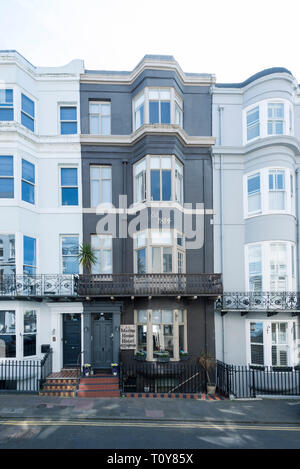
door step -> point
(63, 387)
(99, 385)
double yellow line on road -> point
(173, 425)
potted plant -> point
(140, 355)
(87, 369)
(208, 363)
(183, 355)
(115, 369)
(86, 256)
(162, 356)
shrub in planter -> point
(183, 355)
(140, 355)
(208, 363)
(162, 356)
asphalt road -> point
(21, 434)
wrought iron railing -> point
(150, 284)
(259, 301)
(109, 285)
(154, 377)
(24, 376)
(38, 285)
(251, 381)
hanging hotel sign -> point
(127, 336)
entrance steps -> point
(62, 387)
(99, 385)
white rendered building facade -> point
(40, 204)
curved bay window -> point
(161, 330)
(158, 179)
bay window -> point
(270, 266)
(7, 254)
(157, 106)
(267, 118)
(269, 190)
(158, 179)
(159, 252)
(271, 343)
(102, 248)
(161, 330)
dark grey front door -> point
(102, 344)
(71, 339)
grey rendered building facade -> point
(256, 228)
(147, 135)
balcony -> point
(270, 302)
(117, 285)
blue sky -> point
(233, 39)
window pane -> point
(96, 268)
(94, 108)
(27, 105)
(29, 321)
(94, 125)
(253, 132)
(252, 116)
(27, 192)
(168, 316)
(68, 176)
(153, 94)
(95, 172)
(142, 338)
(161, 237)
(27, 122)
(106, 191)
(254, 202)
(95, 193)
(6, 188)
(7, 346)
(106, 173)
(70, 265)
(107, 262)
(155, 162)
(68, 128)
(166, 185)
(6, 114)
(181, 338)
(69, 196)
(156, 317)
(166, 162)
(277, 200)
(165, 113)
(29, 251)
(6, 97)
(155, 184)
(7, 322)
(168, 340)
(156, 267)
(139, 117)
(142, 316)
(153, 112)
(105, 125)
(257, 354)
(29, 345)
(70, 245)
(253, 184)
(28, 171)
(6, 166)
(68, 113)
(141, 261)
(167, 260)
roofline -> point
(256, 76)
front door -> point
(102, 340)
(71, 339)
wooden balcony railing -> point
(46, 285)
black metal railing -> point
(47, 285)
(24, 376)
(38, 285)
(259, 301)
(154, 377)
(251, 381)
(149, 284)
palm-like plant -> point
(86, 256)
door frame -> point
(63, 338)
(110, 321)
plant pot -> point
(211, 388)
(162, 359)
(184, 357)
(140, 358)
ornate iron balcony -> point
(77, 286)
(259, 301)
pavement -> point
(264, 411)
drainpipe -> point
(220, 109)
(297, 226)
(124, 163)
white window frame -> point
(264, 192)
(176, 324)
(174, 99)
(173, 199)
(292, 358)
(61, 256)
(266, 258)
(149, 244)
(99, 114)
(101, 179)
(60, 167)
(288, 128)
(101, 249)
(30, 333)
